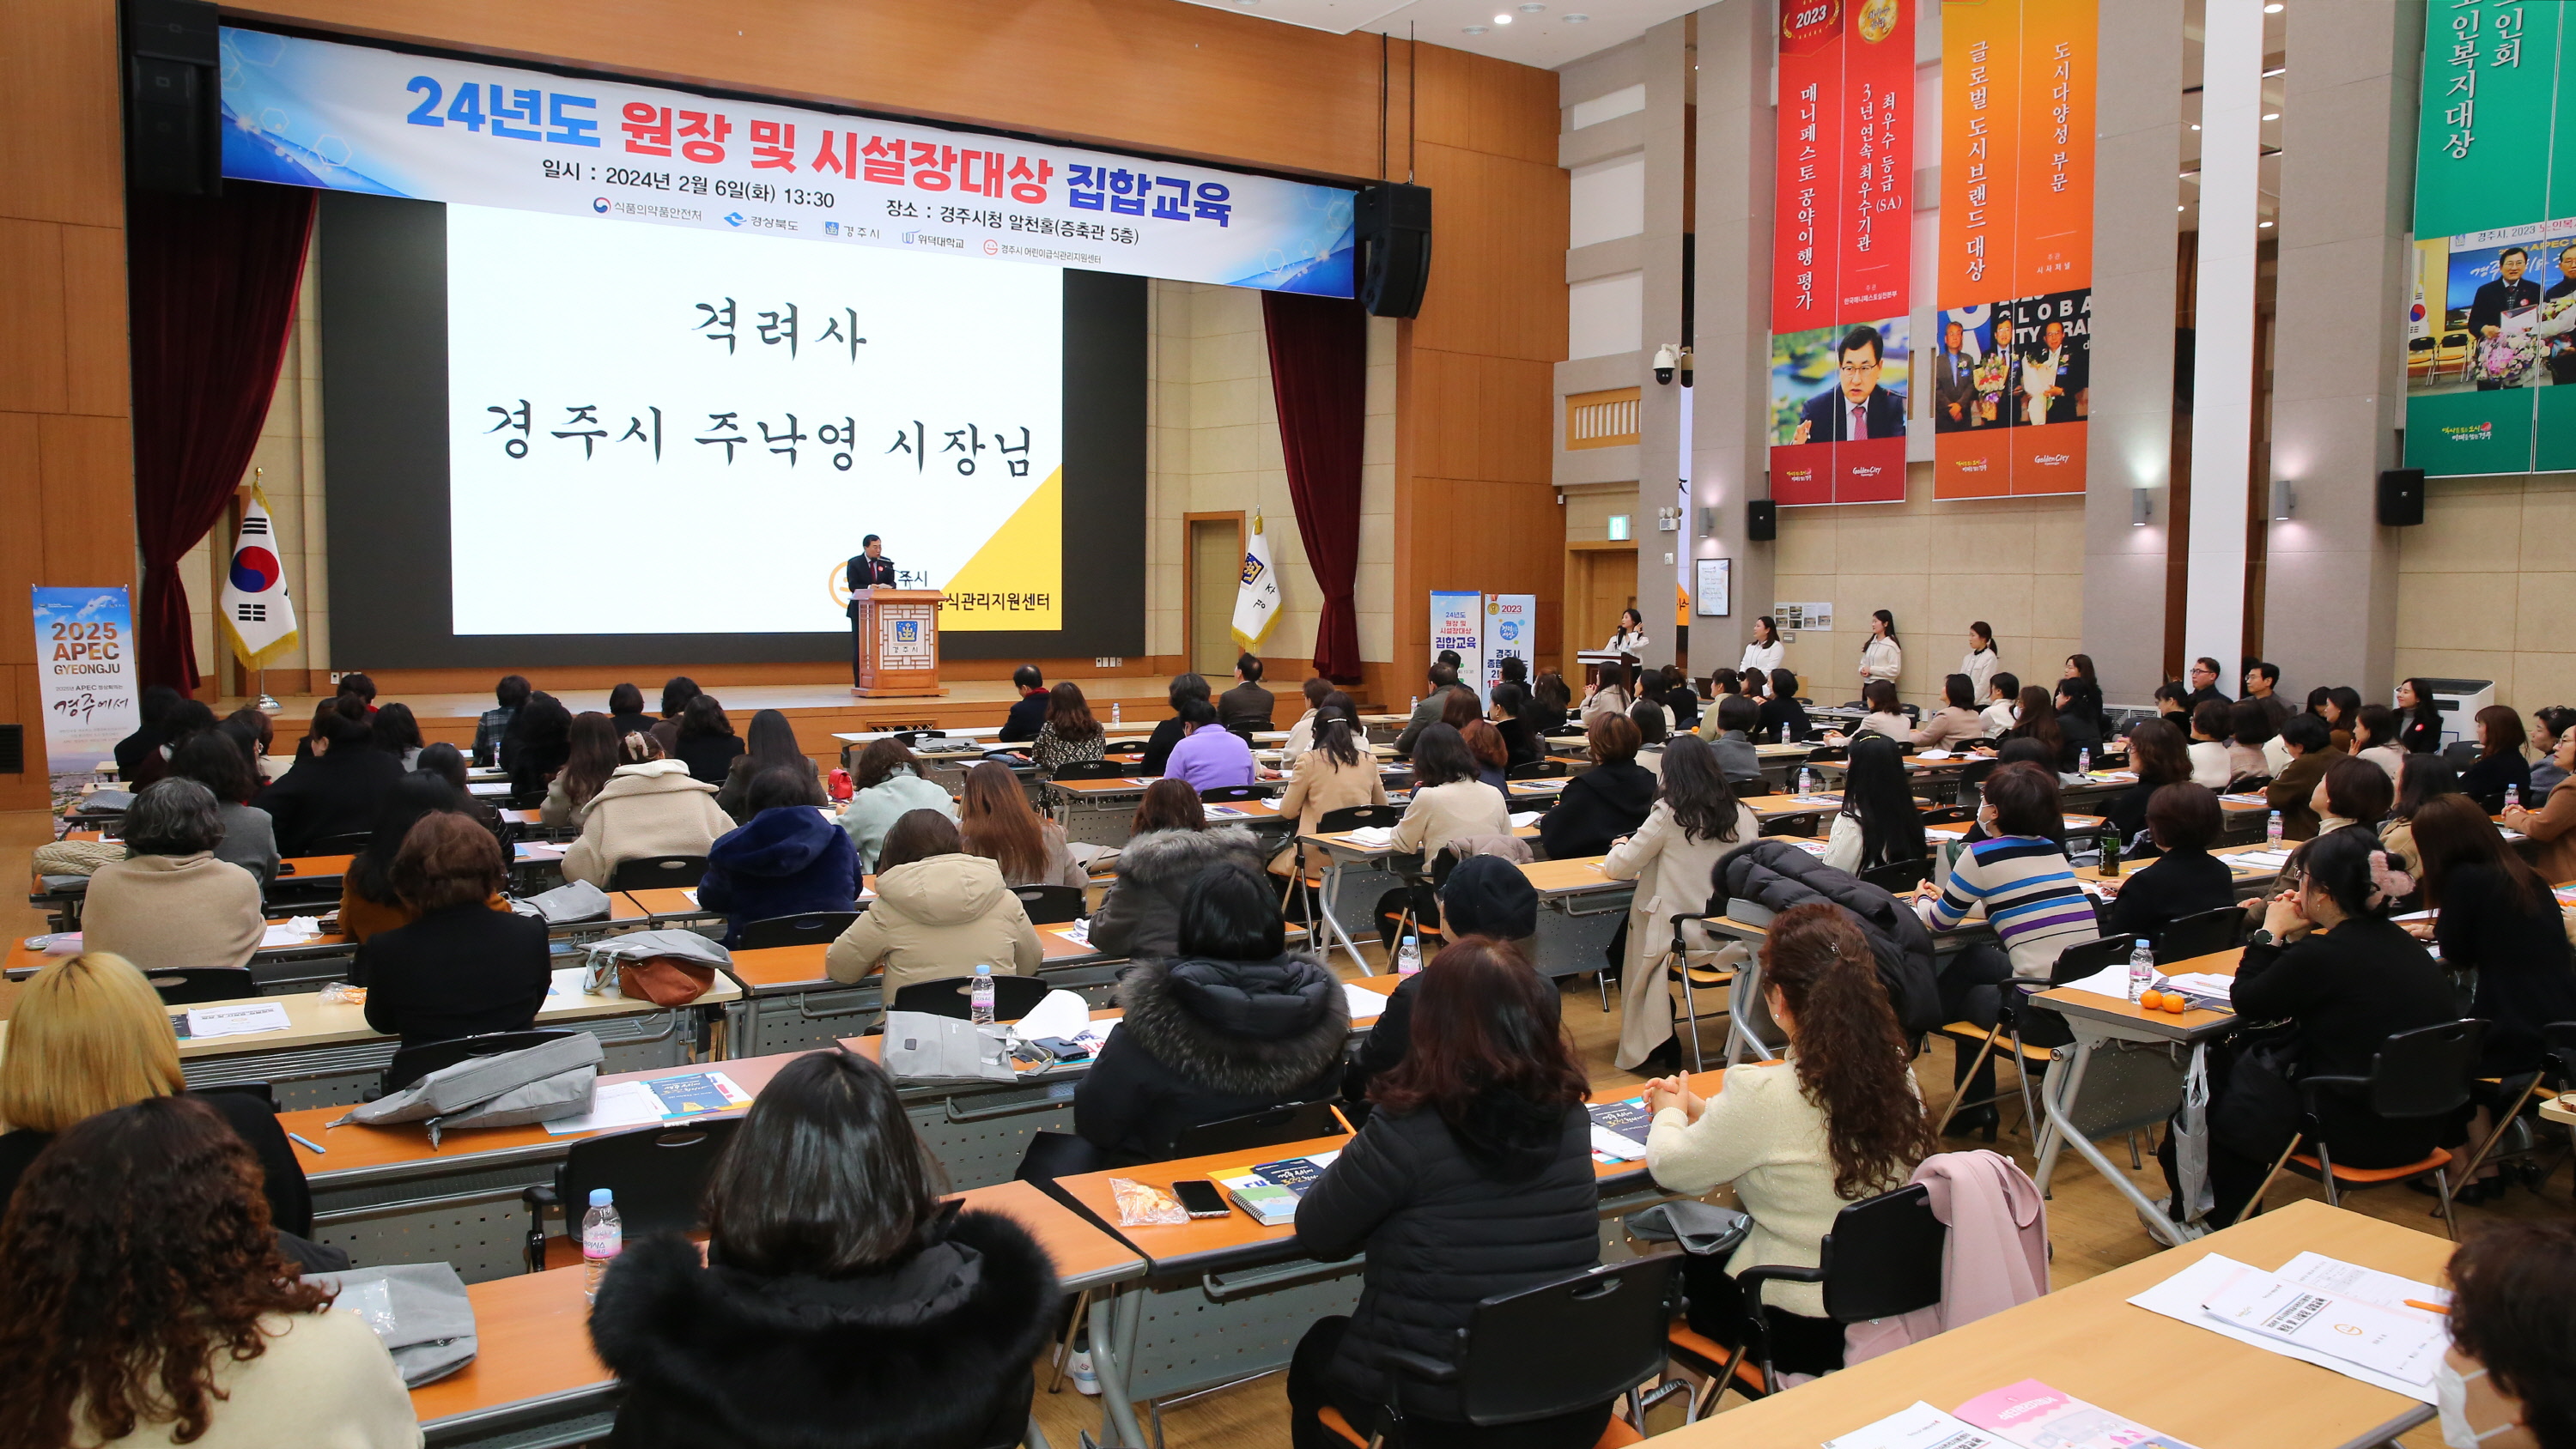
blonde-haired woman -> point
(89, 1035)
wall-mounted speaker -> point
(2401, 497)
(1394, 229)
(1761, 520)
(13, 749)
(173, 97)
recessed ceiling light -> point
(2263, 224)
(1502, 20)
(2271, 115)
(1476, 29)
(1577, 18)
(2276, 70)
(1533, 8)
(2177, 208)
(2273, 9)
(2195, 125)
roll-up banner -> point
(2012, 364)
(1842, 244)
(392, 123)
(84, 675)
(2491, 317)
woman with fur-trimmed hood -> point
(841, 1302)
(1140, 916)
(1233, 1022)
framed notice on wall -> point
(1793, 617)
(1716, 582)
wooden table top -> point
(2087, 1340)
(2220, 963)
(533, 1330)
(667, 903)
(1574, 875)
(2129, 868)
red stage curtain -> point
(1319, 375)
(212, 283)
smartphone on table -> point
(1200, 1198)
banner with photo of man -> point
(2011, 368)
(1842, 248)
(2491, 314)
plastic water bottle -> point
(1408, 956)
(2513, 797)
(603, 1236)
(1114, 712)
(1806, 781)
(2142, 969)
(2084, 762)
(2272, 831)
(980, 1007)
(1412, 703)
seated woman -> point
(2376, 733)
(447, 762)
(2500, 764)
(787, 860)
(1956, 725)
(1549, 703)
(707, 743)
(1485, 896)
(2420, 781)
(1885, 717)
(1783, 720)
(1600, 805)
(2003, 704)
(88, 1035)
(2173, 703)
(773, 747)
(594, 755)
(1337, 774)
(1450, 801)
(171, 903)
(677, 691)
(369, 904)
(1070, 735)
(839, 1300)
(2159, 758)
(1879, 823)
(2503, 1383)
(1612, 694)
(1695, 822)
(2079, 723)
(1208, 756)
(542, 736)
(2353, 791)
(1301, 733)
(626, 711)
(651, 806)
(939, 912)
(2328, 962)
(460, 968)
(1485, 743)
(394, 731)
(2213, 764)
(335, 787)
(2182, 821)
(2552, 827)
(1838, 1120)
(1171, 843)
(887, 785)
(2250, 732)
(1232, 1022)
(1728, 728)
(1471, 1178)
(2035, 719)
(213, 760)
(999, 826)
(147, 1301)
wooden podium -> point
(898, 643)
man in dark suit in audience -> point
(870, 568)
(2204, 683)
(1856, 407)
(1246, 707)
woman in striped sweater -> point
(2021, 882)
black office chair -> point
(257, 1091)
(813, 928)
(1233, 794)
(1827, 754)
(657, 1173)
(1253, 1131)
(2034, 1030)
(349, 844)
(2416, 1074)
(195, 985)
(1048, 905)
(1882, 1259)
(657, 872)
(2509, 1097)
(1590, 1338)
(1536, 770)
(1092, 769)
(2205, 934)
(413, 1063)
(1900, 877)
(952, 996)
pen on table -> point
(307, 1143)
(2427, 1307)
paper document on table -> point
(2111, 981)
(1609, 1144)
(612, 1104)
(1522, 818)
(2204, 983)
(566, 985)
(1059, 1013)
(2035, 1416)
(1371, 837)
(1078, 932)
(287, 933)
(690, 895)
(2182, 1296)
(257, 1016)
(1365, 1004)
(1919, 1427)
(2259, 860)
(2346, 1330)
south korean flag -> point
(257, 616)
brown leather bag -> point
(664, 980)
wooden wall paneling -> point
(21, 536)
(61, 132)
(87, 470)
(1497, 255)
(31, 297)
(95, 364)
(1476, 103)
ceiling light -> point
(2195, 125)
(2276, 70)
(2271, 115)
(2177, 208)
(1532, 8)
(1502, 20)
(2263, 225)
(2273, 9)
(1577, 18)
(1477, 29)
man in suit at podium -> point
(868, 570)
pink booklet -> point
(2035, 1416)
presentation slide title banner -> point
(390, 123)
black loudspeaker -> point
(1761, 520)
(1394, 227)
(173, 98)
(2401, 497)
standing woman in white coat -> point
(1763, 654)
(1696, 822)
(1982, 661)
(1881, 657)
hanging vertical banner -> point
(2491, 317)
(84, 675)
(2012, 366)
(1842, 246)
(1510, 621)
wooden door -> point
(1604, 582)
(1215, 577)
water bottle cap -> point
(602, 1197)
(984, 970)
(1413, 940)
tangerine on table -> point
(2151, 1001)
(2177, 1003)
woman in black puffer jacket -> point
(1472, 1178)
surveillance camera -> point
(1665, 362)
